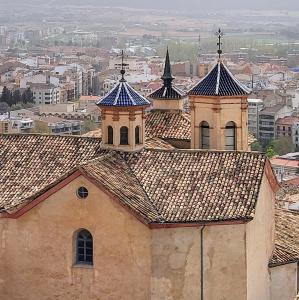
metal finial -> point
(219, 34)
(123, 65)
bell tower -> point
(123, 116)
(219, 107)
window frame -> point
(78, 245)
(82, 192)
(124, 136)
(231, 126)
(110, 135)
(205, 128)
(137, 135)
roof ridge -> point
(218, 78)
(202, 79)
(99, 158)
(161, 218)
(236, 80)
(206, 151)
(49, 135)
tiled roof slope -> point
(160, 186)
(286, 238)
(115, 175)
(192, 186)
(30, 163)
(156, 143)
(168, 125)
(123, 95)
(219, 82)
(251, 139)
(152, 142)
(170, 92)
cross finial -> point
(219, 34)
(123, 65)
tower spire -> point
(219, 34)
(123, 65)
(167, 76)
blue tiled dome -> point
(123, 95)
(219, 82)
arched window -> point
(137, 135)
(110, 135)
(124, 139)
(84, 247)
(205, 135)
(230, 136)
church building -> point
(117, 218)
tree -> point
(4, 108)
(270, 152)
(16, 96)
(27, 96)
(256, 147)
(41, 127)
(283, 145)
(88, 125)
(5, 97)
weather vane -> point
(219, 34)
(123, 64)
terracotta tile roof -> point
(195, 182)
(168, 125)
(30, 163)
(287, 120)
(156, 143)
(112, 172)
(152, 143)
(97, 133)
(286, 238)
(251, 139)
(285, 162)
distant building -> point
(58, 126)
(45, 93)
(84, 101)
(267, 119)
(288, 126)
(254, 106)
(181, 68)
(285, 168)
(18, 124)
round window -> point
(82, 192)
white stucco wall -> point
(259, 244)
(284, 282)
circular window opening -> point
(82, 192)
